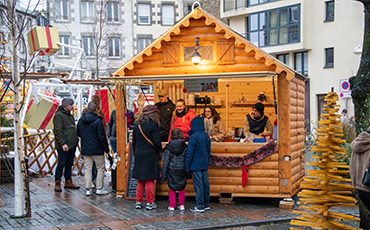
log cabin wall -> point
(297, 133)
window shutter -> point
(171, 54)
(225, 52)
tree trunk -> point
(360, 86)
(17, 111)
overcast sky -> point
(41, 5)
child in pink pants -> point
(173, 168)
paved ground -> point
(71, 209)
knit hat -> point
(149, 109)
(66, 102)
(162, 92)
(259, 107)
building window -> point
(88, 44)
(168, 15)
(2, 38)
(61, 10)
(257, 2)
(64, 51)
(284, 58)
(329, 57)
(329, 11)
(301, 62)
(87, 11)
(234, 4)
(144, 14)
(142, 43)
(112, 12)
(275, 27)
(320, 104)
(113, 47)
(41, 20)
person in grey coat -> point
(360, 160)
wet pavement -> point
(71, 209)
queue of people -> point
(165, 121)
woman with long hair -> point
(213, 124)
(146, 144)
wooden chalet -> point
(243, 72)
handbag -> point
(159, 153)
(366, 178)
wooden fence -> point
(40, 148)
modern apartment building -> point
(315, 37)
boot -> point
(69, 184)
(57, 187)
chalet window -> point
(112, 12)
(301, 62)
(284, 58)
(205, 51)
(329, 57)
(64, 51)
(113, 47)
(61, 10)
(168, 15)
(87, 11)
(142, 43)
(89, 45)
(144, 14)
(275, 27)
(329, 11)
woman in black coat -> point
(146, 145)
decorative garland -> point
(252, 157)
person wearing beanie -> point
(66, 141)
(166, 108)
(256, 122)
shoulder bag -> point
(366, 178)
(159, 153)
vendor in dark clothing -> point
(166, 108)
(256, 122)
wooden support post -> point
(284, 133)
(121, 137)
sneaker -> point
(88, 192)
(195, 209)
(102, 192)
(150, 206)
(138, 205)
(171, 208)
(207, 208)
(182, 207)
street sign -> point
(344, 86)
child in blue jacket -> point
(197, 159)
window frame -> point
(111, 8)
(284, 55)
(264, 32)
(327, 7)
(162, 15)
(89, 18)
(63, 7)
(302, 70)
(139, 22)
(62, 52)
(327, 63)
(114, 42)
(90, 44)
(145, 38)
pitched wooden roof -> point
(134, 68)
